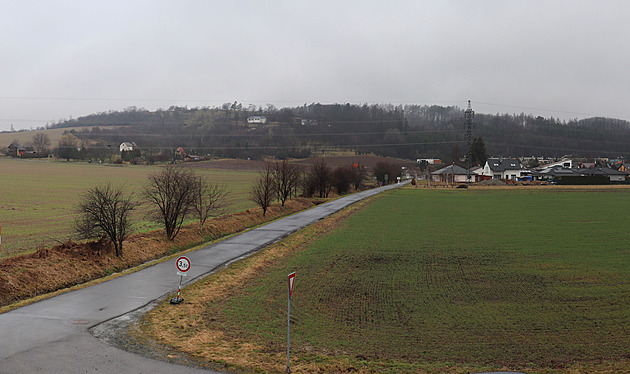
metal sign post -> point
(183, 265)
(291, 278)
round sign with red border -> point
(183, 264)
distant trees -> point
(236, 108)
(478, 151)
(104, 212)
(359, 174)
(67, 147)
(41, 142)
(320, 179)
(342, 179)
(456, 153)
(172, 192)
(411, 132)
(387, 172)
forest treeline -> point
(409, 131)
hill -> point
(407, 132)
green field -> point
(455, 280)
(38, 197)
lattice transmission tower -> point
(469, 115)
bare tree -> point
(104, 213)
(286, 179)
(342, 179)
(41, 141)
(359, 174)
(263, 191)
(321, 176)
(387, 172)
(172, 192)
(67, 147)
(209, 200)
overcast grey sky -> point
(62, 59)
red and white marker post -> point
(183, 265)
(291, 278)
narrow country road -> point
(51, 336)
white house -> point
(257, 119)
(503, 169)
(127, 146)
(430, 161)
(451, 174)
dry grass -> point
(70, 263)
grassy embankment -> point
(38, 197)
(433, 281)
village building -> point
(16, 150)
(452, 174)
(615, 176)
(564, 163)
(497, 168)
(429, 161)
(257, 119)
(127, 146)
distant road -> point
(51, 336)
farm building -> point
(16, 150)
(189, 158)
(127, 146)
(257, 119)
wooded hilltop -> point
(409, 131)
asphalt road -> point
(51, 336)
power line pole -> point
(469, 114)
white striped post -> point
(291, 278)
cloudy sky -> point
(63, 59)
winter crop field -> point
(38, 197)
(455, 280)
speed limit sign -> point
(183, 264)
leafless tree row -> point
(175, 194)
(282, 180)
